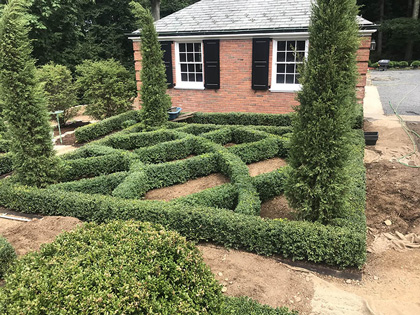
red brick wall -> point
(235, 93)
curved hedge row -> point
(106, 126)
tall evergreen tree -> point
(25, 110)
(317, 185)
(155, 101)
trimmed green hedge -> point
(106, 126)
(115, 268)
(4, 145)
(7, 256)
(236, 118)
(343, 246)
(247, 306)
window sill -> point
(286, 89)
(177, 87)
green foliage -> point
(7, 255)
(104, 127)
(237, 118)
(6, 164)
(155, 101)
(247, 306)
(135, 268)
(375, 65)
(402, 64)
(318, 183)
(59, 88)
(107, 87)
(415, 64)
(343, 246)
(34, 160)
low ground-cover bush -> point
(247, 306)
(7, 255)
(121, 267)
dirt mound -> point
(29, 236)
(393, 193)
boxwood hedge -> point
(7, 255)
(208, 215)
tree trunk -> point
(410, 44)
(381, 20)
(156, 9)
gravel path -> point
(394, 86)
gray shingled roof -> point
(239, 15)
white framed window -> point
(288, 55)
(189, 65)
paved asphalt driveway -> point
(394, 86)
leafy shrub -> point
(402, 64)
(60, 90)
(392, 64)
(106, 126)
(415, 64)
(134, 268)
(106, 86)
(375, 65)
(7, 255)
(247, 306)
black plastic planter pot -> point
(371, 137)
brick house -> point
(240, 55)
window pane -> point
(290, 57)
(184, 77)
(199, 68)
(191, 77)
(290, 78)
(197, 47)
(290, 68)
(183, 67)
(191, 67)
(198, 57)
(300, 45)
(190, 47)
(297, 79)
(199, 77)
(182, 57)
(281, 68)
(281, 46)
(190, 57)
(182, 47)
(280, 78)
(291, 45)
(281, 56)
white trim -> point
(296, 35)
(275, 87)
(182, 84)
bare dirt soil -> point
(213, 180)
(70, 127)
(29, 236)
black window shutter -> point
(260, 62)
(167, 60)
(211, 64)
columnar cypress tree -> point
(25, 110)
(155, 101)
(317, 185)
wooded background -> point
(70, 31)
